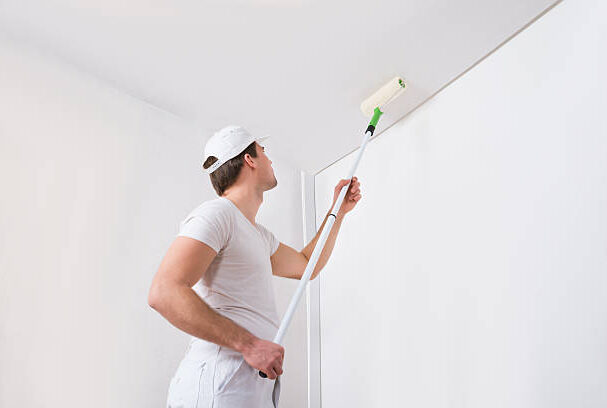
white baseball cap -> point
(227, 143)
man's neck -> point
(247, 200)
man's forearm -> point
(329, 243)
(184, 309)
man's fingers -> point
(278, 362)
(353, 188)
(275, 371)
(270, 373)
(278, 368)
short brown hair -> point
(227, 173)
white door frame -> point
(312, 294)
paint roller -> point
(372, 106)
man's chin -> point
(274, 184)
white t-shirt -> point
(238, 282)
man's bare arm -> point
(184, 309)
(329, 243)
(352, 196)
(172, 296)
(288, 263)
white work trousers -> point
(212, 376)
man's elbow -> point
(153, 301)
(155, 297)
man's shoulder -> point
(265, 231)
(216, 207)
(263, 228)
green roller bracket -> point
(376, 114)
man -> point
(215, 281)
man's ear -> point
(249, 160)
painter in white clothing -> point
(215, 281)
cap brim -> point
(259, 139)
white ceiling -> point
(295, 69)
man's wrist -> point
(244, 342)
(340, 216)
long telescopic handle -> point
(286, 320)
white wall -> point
(94, 185)
(474, 271)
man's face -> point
(267, 177)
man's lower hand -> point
(265, 356)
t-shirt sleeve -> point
(272, 240)
(208, 226)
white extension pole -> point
(370, 106)
(320, 244)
